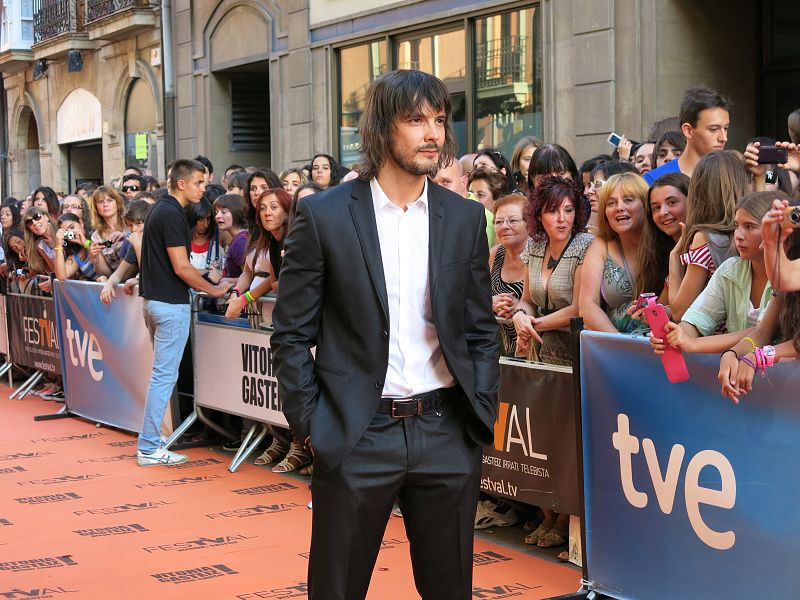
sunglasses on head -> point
(32, 218)
(131, 188)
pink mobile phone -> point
(672, 359)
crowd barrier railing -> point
(241, 354)
(5, 368)
(32, 338)
(106, 356)
(683, 488)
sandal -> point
(537, 534)
(298, 457)
(276, 449)
(307, 470)
(552, 539)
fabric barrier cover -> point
(533, 457)
(107, 355)
(233, 373)
(687, 494)
(3, 326)
(33, 339)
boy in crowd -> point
(164, 282)
(704, 118)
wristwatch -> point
(769, 355)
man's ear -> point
(687, 130)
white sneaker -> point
(489, 514)
(162, 456)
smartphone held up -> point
(657, 319)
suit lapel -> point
(437, 226)
(363, 213)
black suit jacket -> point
(333, 296)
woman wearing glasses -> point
(505, 262)
(108, 240)
(77, 206)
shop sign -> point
(79, 117)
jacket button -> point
(385, 334)
(379, 385)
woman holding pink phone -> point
(737, 295)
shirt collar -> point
(380, 200)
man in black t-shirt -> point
(164, 281)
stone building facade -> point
(271, 82)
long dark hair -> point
(250, 206)
(336, 168)
(655, 245)
(396, 95)
(50, 198)
(789, 315)
(548, 159)
(501, 162)
(260, 240)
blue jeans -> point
(168, 325)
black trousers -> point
(431, 466)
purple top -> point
(236, 255)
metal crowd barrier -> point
(241, 346)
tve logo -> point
(665, 487)
(84, 350)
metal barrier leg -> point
(247, 446)
(177, 433)
(4, 369)
(62, 413)
(213, 426)
(26, 386)
(29, 389)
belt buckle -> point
(395, 405)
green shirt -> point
(490, 235)
(726, 299)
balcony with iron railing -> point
(117, 19)
(501, 62)
(58, 27)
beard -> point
(415, 165)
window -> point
(443, 55)
(508, 97)
(504, 100)
(359, 65)
(140, 127)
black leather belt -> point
(401, 408)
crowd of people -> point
(705, 229)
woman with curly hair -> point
(556, 219)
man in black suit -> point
(388, 277)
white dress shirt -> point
(416, 363)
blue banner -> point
(106, 354)
(687, 494)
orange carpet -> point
(79, 519)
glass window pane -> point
(358, 66)
(27, 9)
(508, 85)
(443, 55)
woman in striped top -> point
(505, 262)
(719, 181)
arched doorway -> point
(140, 128)
(28, 171)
